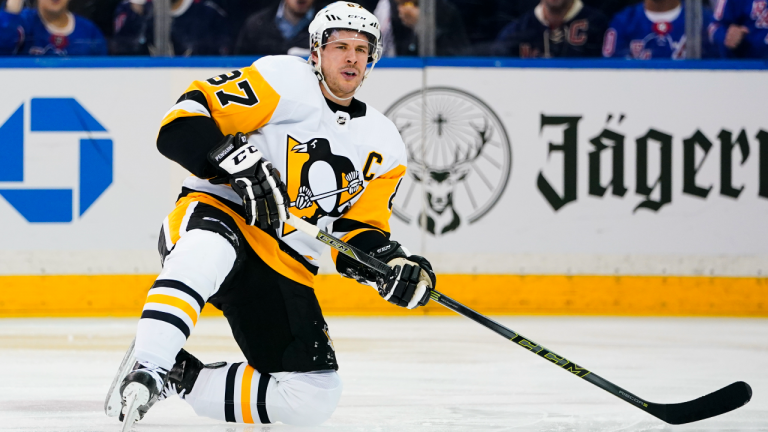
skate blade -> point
(113, 403)
(134, 396)
(132, 412)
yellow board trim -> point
(245, 394)
(124, 295)
(175, 302)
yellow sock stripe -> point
(175, 302)
(245, 394)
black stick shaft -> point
(481, 319)
(719, 402)
(539, 350)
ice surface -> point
(415, 374)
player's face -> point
(345, 56)
(53, 6)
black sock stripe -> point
(261, 398)
(181, 286)
(169, 318)
(229, 393)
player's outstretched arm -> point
(408, 282)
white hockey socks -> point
(238, 393)
(192, 273)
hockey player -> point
(278, 128)
(740, 29)
(555, 28)
(652, 29)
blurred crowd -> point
(638, 29)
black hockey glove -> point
(253, 179)
(408, 283)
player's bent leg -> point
(203, 255)
(238, 393)
(305, 398)
(192, 272)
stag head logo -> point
(459, 159)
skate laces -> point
(155, 371)
(171, 389)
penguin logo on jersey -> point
(319, 182)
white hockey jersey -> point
(341, 173)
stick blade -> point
(719, 402)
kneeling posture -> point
(279, 137)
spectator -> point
(402, 16)
(554, 28)
(11, 33)
(51, 29)
(198, 28)
(740, 28)
(239, 10)
(99, 12)
(281, 29)
(652, 29)
(484, 19)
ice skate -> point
(181, 379)
(139, 390)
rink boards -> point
(583, 188)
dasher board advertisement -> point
(549, 171)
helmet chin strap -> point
(336, 97)
(321, 78)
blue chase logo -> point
(95, 167)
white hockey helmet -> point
(344, 15)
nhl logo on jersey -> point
(463, 162)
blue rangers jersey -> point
(80, 38)
(752, 14)
(636, 33)
(11, 33)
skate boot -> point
(182, 378)
(140, 389)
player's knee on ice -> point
(294, 398)
(303, 399)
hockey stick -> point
(314, 198)
(719, 402)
